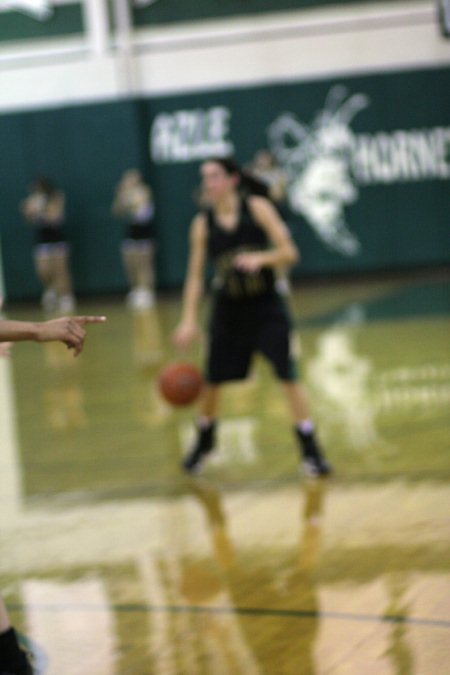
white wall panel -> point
(208, 55)
(52, 84)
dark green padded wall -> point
(178, 11)
(85, 148)
(66, 20)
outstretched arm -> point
(67, 329)
(187, 329)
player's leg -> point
(314, 460)
(138, 267)
(44, 271)
(205, 438)
(145, 275)
(229, 354)
(275, 342)
(144, 265)
(129, 260)
(62, 281)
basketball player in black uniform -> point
(244, 236)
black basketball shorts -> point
(239, 329)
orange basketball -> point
(180, 383)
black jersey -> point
(224, 245)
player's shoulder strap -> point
(208, 214)
(245, 213)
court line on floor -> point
(252, 611)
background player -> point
(44, 209)
(133, 201)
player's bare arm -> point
(188, 329)
(68, 329)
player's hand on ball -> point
(184, 334)
(248, 262)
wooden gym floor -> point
(114, 563)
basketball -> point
(180, 383)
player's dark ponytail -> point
(248, 184)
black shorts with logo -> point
(140, 231)
(239, 329)
(48, 234)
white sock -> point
(205, 422)
(306, 426)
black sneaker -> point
(22, 666)
(314, 461)
(12, 654)
(204, 444)
(316, 465)
(24, 669)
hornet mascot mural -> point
(318, 162)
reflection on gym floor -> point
(114, 563)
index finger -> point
(89, 319)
